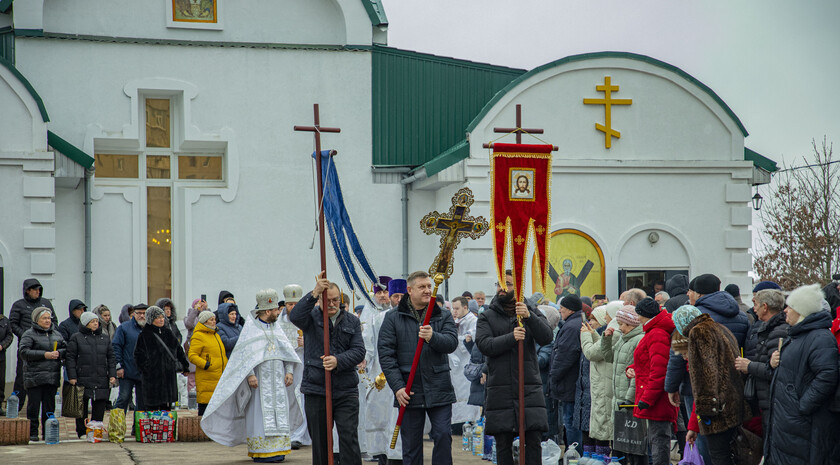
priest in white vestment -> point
(297, 418)
(250, 404)
(465, 321)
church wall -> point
(69, 248)
(258, 21)
(17, 124)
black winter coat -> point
(494, 338)
(39, 371)
(761, 344)
(677, 288)
(346, 344)
(21, 311)
(171, 320)
(158, 370)
(90, 361)
(397, 342)
(565, 359)
(801, 428)
(476, 388)
(69, 327)
(6, 334)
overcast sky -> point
(775, 63)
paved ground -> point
(130, 452)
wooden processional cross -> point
(518, 129)
(317, 129)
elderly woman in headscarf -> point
(42, 348)
(207, 353)
(159, 358)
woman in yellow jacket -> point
(207, 353)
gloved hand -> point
(643, 405)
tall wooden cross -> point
(518, 130)
(317, 129)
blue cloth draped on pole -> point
(341, 229)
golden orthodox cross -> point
(607, 102)
(453, 226)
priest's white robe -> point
(461, 411)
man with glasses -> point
(347, 349)
(125, 339)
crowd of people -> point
(692, 363)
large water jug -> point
(13, 406)
(571, 457)
(597, 459)
(51, 427)
(466, 431)
(478, 438)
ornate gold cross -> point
(608, 101)
(453, 226)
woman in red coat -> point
(650, 363)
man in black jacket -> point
(20, 317)
(497, 335)
(677, 289)
(347, 349)
(432, 393)
(565, 365)
(70, 326)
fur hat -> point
(267, 299)
(381, 284)
(293, 293)
(572, 302)
(679, 343)
(766, 285)
(707, 284)
(627, 315)
(204, 316)
(87, 317)
(153, 312)
(683, 316)
(397, 286)
(37, 313)
(806, 300)
(551, 315)
(648, 308)
(600, 314)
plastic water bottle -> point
(58, 403)
(466, 431)
(488, 447)
(597, 459)
(51, 426)
(13, 406)
(493, 458)
(515, 447)
(571, 457)
(192, 402)
(586, 459)
(478, 439)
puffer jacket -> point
(20, 315)
(718, 387)
(397, 342)
(600, 383)
(207, 353)
(227, 331)
(171, 320)
(476, 388)
(801, 427)
(677, 288)
(346, 344)
(494, 337)
(90, 361)
(621, 356)
(650, 362)
(6, 334)
(39, 371)
(565, 359)
(583, 397)
(765, 340)
(124, 343)
(723, 309)
(70, 325)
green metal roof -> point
(28, 87)
(454, 154)
(422, 103)
(375, 11)
(5, 5)
(596, 55)
(760, 161)
(69, 150)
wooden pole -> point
(317, 129)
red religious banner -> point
(520, 205)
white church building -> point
(147, 150)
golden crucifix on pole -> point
(608, 101)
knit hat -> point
(766, 285)
(551, 315)
(195, 302)
(572, 302)
(627, 315)
(600, 314)
(612, 308)
(707, 284)
(204, 316)
(153, 312)
(683, 316)
(473, 306)
(733, 290)
(87, 317)
(37, 313)
(679, 343)
(691, 284)
(587, 310)
(648, 308)
(806, 300)
(397, 286)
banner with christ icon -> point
(520, 207)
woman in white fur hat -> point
(802, 428)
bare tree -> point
(800, 223)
